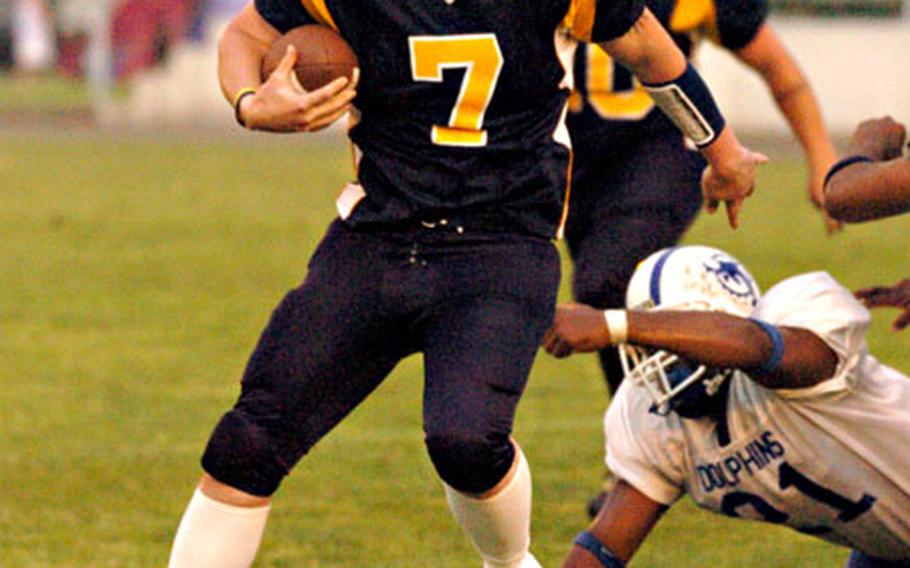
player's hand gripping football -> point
(282, 105)
(730, 175)
(577, 328)
(897, 296)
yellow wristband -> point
(238, 98)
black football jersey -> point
(461, 102)
(609, 105)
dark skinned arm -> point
(626, 518)
(872, 190)
(713, 339)
(896, 296)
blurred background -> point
(145, 237)
(141, 62)
(110, 62)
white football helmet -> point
(684, 278)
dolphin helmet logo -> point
(732, 278)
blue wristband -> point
(770, 364)
(604, 555)
(848, 161)
(688, 102)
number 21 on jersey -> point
(788, 476)
(479, 55)
(613, 92)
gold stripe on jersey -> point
(320, 12)
(579, 20)
(691, 15)
(561, 230)
(712, 30)
(695, 18)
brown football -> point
(322, 55)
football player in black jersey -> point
(635, 184)
(443, 245)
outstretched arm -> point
(871, 183)
(649, 52)
(794, 97)
(626, 518)
(280, 104)
(796, 359)
(897, 296)
(877, 182)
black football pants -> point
(476, 304)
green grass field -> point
(43, 95)
(135, 276)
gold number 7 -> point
(481, 58)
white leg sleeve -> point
(499, 527)
(213, 534)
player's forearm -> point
(710, 338)
(724, 150)
(776, 357)
(240, 50)
(867, 191)
(713, 338)
(873, 180)
(792, 93)
(791, 358)
(796, 101)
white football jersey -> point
(832, 460)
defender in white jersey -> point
(769, 408)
